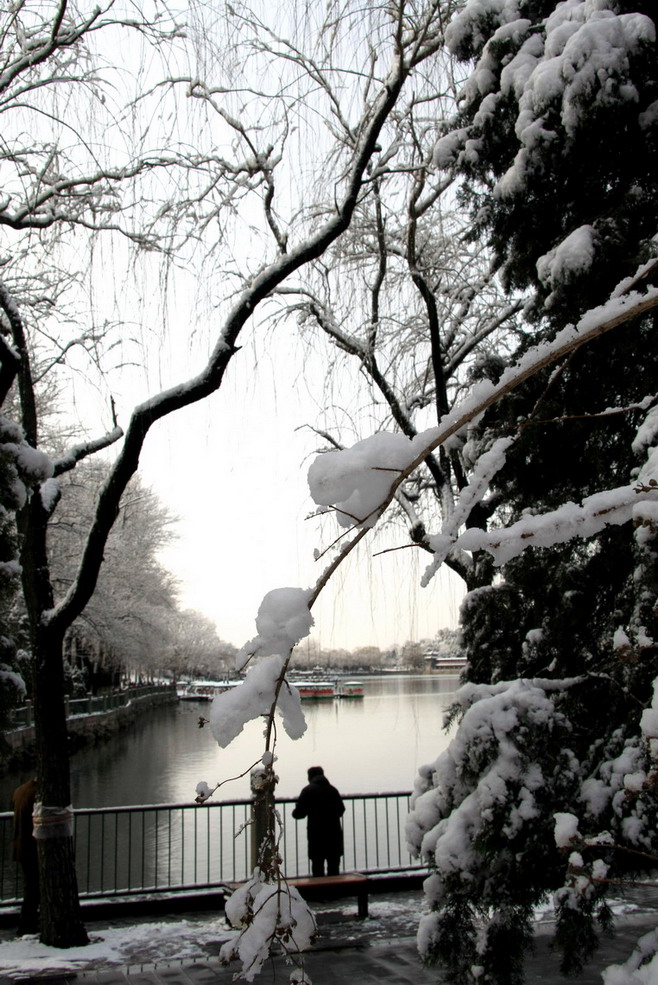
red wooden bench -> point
(333, 887)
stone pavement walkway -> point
(396, 963)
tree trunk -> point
(61, 918)
(61, 923)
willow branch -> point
(210, 379)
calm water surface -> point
(365, 746)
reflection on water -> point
(365, 746)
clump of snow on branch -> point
(572, 257)
(637, 970)
(283, 619)
(264, 912)
(203, 792)
(647, 433)
(356, 480)
(10, 569)
(566, 829)
(50, 493)
(581, 66)
(231, 710)
(24, 466)
(649, 725)
(12, 680)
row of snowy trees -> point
(442, 194)
(412, 655)
(133, 627)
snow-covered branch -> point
(612, 507)
(357, 481)
(360, 482)
(78, 452)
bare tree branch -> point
(261, 286)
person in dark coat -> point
(323, 806)
(25, 853)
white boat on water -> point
(202, 690)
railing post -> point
(67, 707)
(89, 697)
(28, 712)
(263, 781)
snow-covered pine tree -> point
(556, 140)
(549, 784)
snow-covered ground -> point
(184, 938)
(131, 942)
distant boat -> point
(315, 690)
(202, 690)
(350, 689)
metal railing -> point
(91, 705)
(124, 851)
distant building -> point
(443, 654)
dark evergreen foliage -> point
(551, 614)
(594, 163)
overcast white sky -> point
(234, 470)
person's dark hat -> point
(315, 771)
